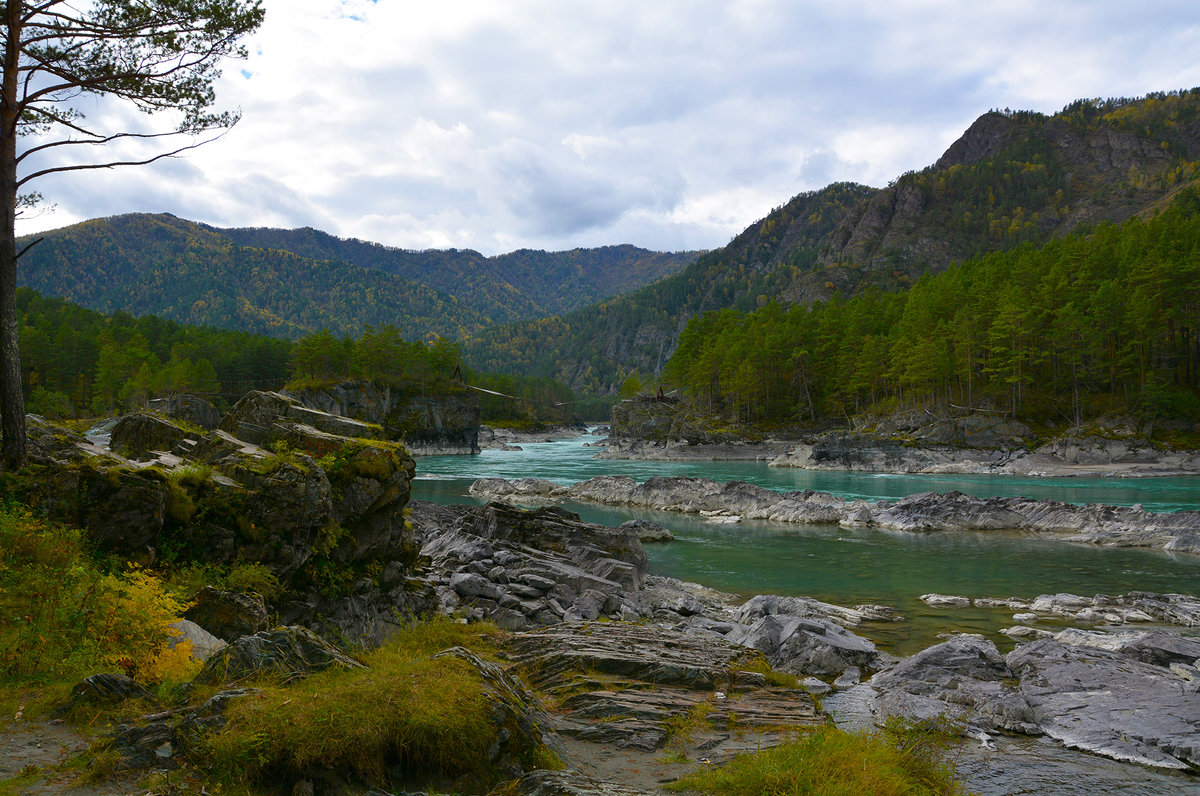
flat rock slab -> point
(1106, 702)
(635, 689)
(552, 656)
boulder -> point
(965, 677)
(137, 435)
(287, 652)
(106, 689)
(649, 531)
(191, 409)
(226, 614)
(1111, 703)
(204, 644)
(807, 646)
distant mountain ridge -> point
(526, 283)
(291, 282)
(1012, 178)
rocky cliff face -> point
(324, 512)
(1081, 174)
(427, 425)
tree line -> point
(83, 363)
(1107, 321)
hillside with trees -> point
(83, 363)
(1106, 322)
(1012, 179)
(526, 283)
(290, 283)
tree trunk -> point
(13, 446)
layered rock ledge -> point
(929, 511)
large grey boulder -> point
(804, 646)
(1112, 703)
(966, 677)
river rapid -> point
(853, 566)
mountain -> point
(288, 283)
(526, 283)
(1012, 178)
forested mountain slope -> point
(1099, 324)
(1012, 178)
(526, 283)
(176, 269)
(593, 349)
(291, 282)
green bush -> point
(63, 618)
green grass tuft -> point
(830, 762)
(429, 716)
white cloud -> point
(670, 124)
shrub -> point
(63, 618)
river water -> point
(853, 566)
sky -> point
(668, 124)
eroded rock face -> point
(427, 425)
(323, 512)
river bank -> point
(733, 501)
(907, 442)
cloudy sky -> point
(670, 124)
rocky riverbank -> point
(500, 438)
(644, 676)
(929, 511)
(906, 442)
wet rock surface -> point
(927, 511)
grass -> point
(681, 728)
(428, 716)
(903, 759)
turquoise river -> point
(849, 567)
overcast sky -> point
(669, 124)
